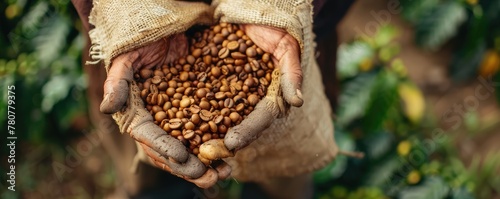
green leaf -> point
(31, 21)
(414, 9)
(350, 56)
(385, 35)
(440, 24)
(354, 98)
(384, 96)
(461, 193)
(56, 89)
(380, 174)
(51, 40)
(432, 188)
(378, 144)
(337, 167)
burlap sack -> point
(299, 143)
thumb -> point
(288, 58)
(116, 88)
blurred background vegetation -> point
(383, 110)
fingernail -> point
(104, 105)
(297, 100)
(299, 94)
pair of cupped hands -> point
(166, 152)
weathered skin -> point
(121, 97)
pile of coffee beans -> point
(200, 96)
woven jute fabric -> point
(125, 25)
(296, 144)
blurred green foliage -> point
(41, 56)
(382, 113)
(473, 26)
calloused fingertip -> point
(207, 180)
(115, 97)
(296, 100)
(292, 95)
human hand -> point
(285, 90)
(122, 99)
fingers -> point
(223, 170)
(191, 169)
(208, 179)
(288, 58)
(116, 88)
(167, 146)
(250, 128)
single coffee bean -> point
(220, 95)
(228, 103)
(238, 55)
(195, 109)
(197, 53)
(214, 104)
(175, 123)
(161, 115)
(218, 39)
(251, 52)
(188, 134)
(145, 73)
(242, 48)
(158, 73)
(215, 71)
(222, 129)
(195, 118)
(195, 141)
(233, 45)
(223, 53)
(206, 137)
(227, 121)
(206, 115)
(240, 107)
(218, 119)
(204, 105)
(175, 133)
(204, 127)
(185, 103)
(253, 99)
(213, 126)
(234, 116)
(179, 114)
(156, 80)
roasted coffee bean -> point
(213, 126)
(222, 129)
(215, 71)
(223, 53)
(233, 45)
(188, 134)
(228, 103)
(234, 116)
(145, 73)
(175, 123)
(206, 115)
(161, 115)
(204, 127)
(205, 105)
(185, 102)
(253, 99)
(202, 95)
(206, 137)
